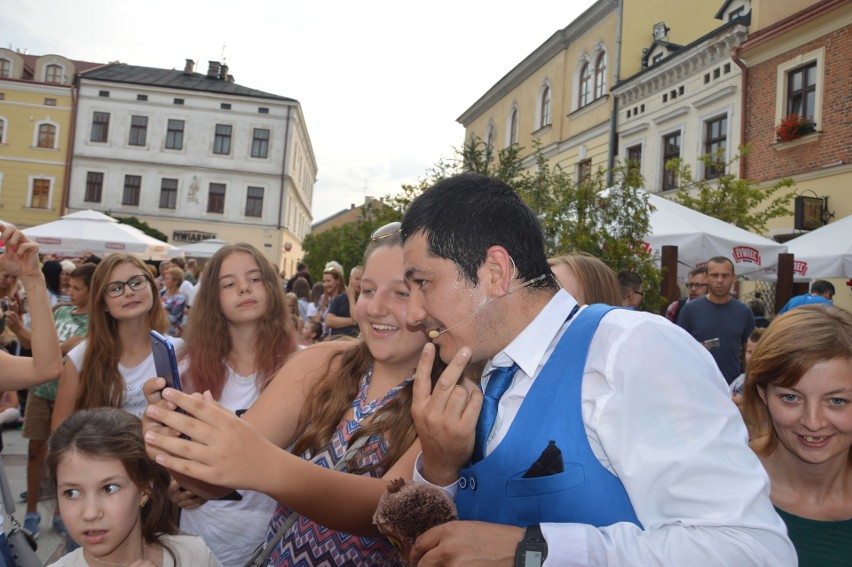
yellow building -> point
(36, 123)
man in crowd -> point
(822, 292)
(339, 318)
(631, 289)
(696, 286)
(628, 461)
(719, 321)
(301, 272)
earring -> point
(144, 501)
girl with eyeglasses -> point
(322, 402)
(116, 357)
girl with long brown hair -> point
(239, 334)
(116, 357)
(323, 400)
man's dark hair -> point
(698, 271)
(758, 309)
(629, 281)
(821, 287)
(464, 215)
(301, 266)
(721, 260)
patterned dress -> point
(309, 544)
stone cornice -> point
(558, 42)
(693, 60)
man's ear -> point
(498, 271)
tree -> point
(737, 201)
(144, 227)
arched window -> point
(600, 76)
(513, 126)
(545, 106)
(53, 74)
(585, 84)
(46, 136)
(489, 135)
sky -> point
(380, 83)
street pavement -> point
(50, 542)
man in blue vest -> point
(614, 440)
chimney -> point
(213, 70)
(223, 71)
(189, 68)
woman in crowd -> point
(174, 302)
(238, 337)
(113, 498)
(798, 404)
(324, 400)
(332, 286)
(116, 357)
(293, 309)
(20, 260)
(303, 293)
(586, 278)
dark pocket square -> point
(549, 463)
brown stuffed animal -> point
(410, 508)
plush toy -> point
(408, 509)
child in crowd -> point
(113, 498)
(240, 333)
(322, 401)
(116, 357)
(310, 334)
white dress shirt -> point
(657, 414)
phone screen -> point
(165, 360)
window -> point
(600, 76)
(104, 94)
(225, 106)
(801, 90)
(178, 101)
(100, 127)
(489, 136)
(584, 170)
(222, 140)
(138, 130)
(46, 136)
(513, 127)
(715, 140)
(545, 107)
(50, 102)
(254, 202)
(142, 97)
(260, 143)
(40, 196)
(53, 74)
(585, 85)
(168, 193)
(738, 13)
(174, 135)
(634, 159)
(262, 110)
(5, 68)
(2, 130)
(216, 198)
(671, 150)
(132, 187)
(94, 187)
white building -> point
(196, 156)
(685, 103)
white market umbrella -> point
(699, 237)
(203, 249)
(92, 231)
(825, 252)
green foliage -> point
(143, 226)
(736, 201)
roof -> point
(174, 79)
(30, 63)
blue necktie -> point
(498, 383)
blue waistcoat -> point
(494, 490)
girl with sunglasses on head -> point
(116, 357)
(322, 402)
(239, 334)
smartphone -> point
(165, 360)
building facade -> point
(196, 156)
(36, 124)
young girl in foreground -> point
(323, 399)
(113, 498)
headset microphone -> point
(434, 334)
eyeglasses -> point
(116, 289)
(385, 231)
(695, 285)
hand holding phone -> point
(165, 360)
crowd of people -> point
(568, 426)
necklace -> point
(102, 562)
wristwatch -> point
(532, 550)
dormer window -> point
(5, 68)
(53, 74)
